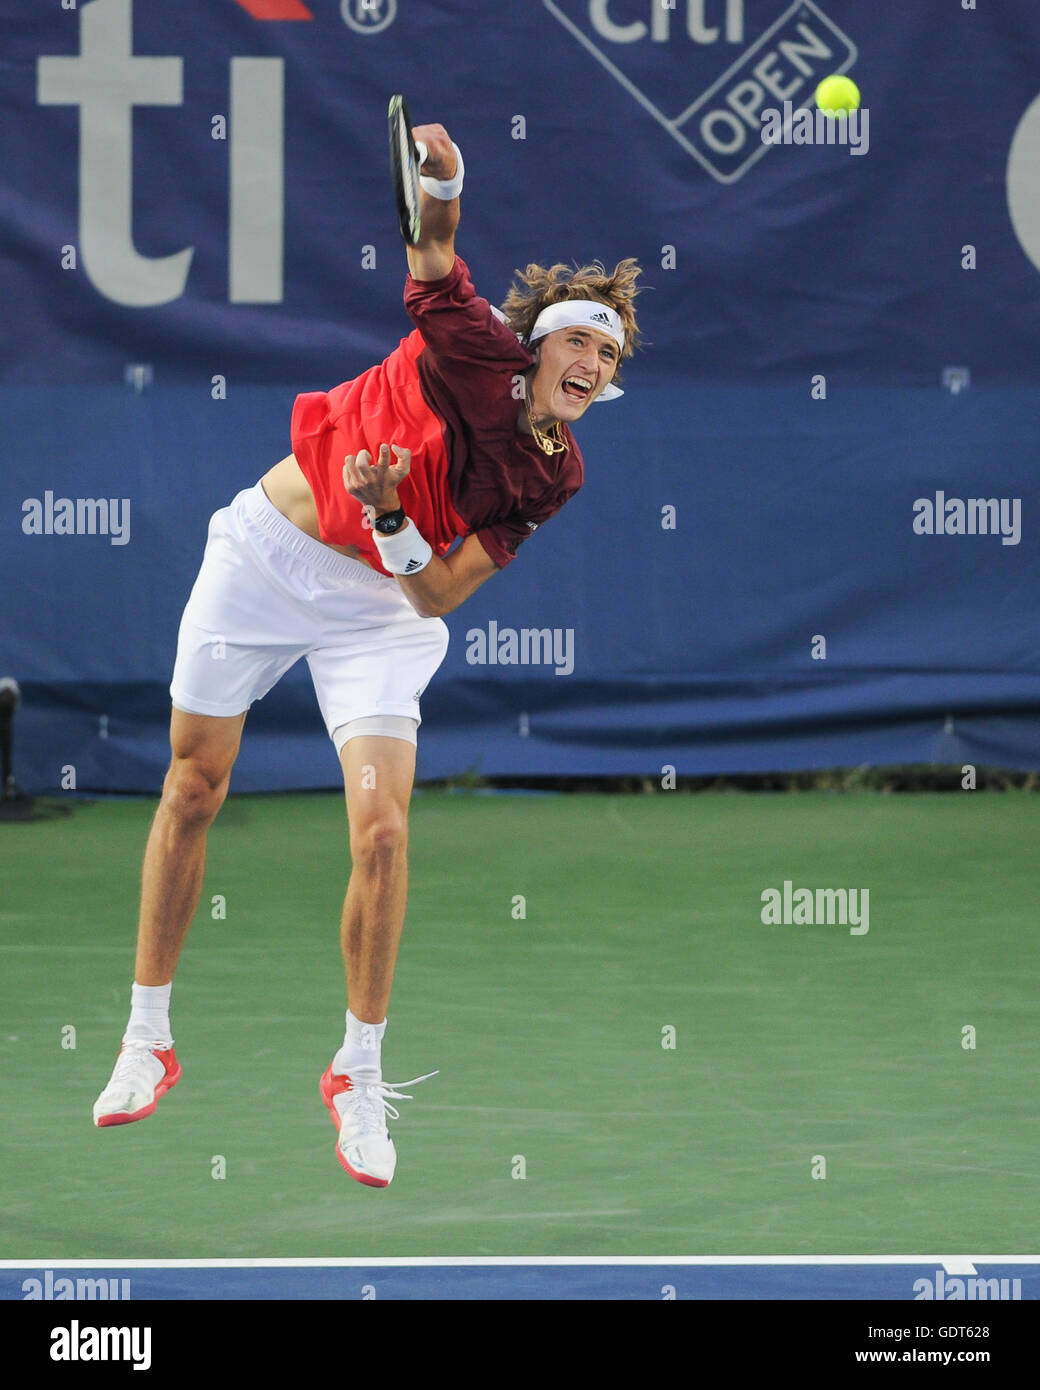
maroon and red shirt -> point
(449, 393)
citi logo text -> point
(106, 82)
(665, 21)
(716, 117)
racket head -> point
(404, 168)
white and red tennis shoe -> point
(358, 1105)
(141, 1077)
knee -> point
(379, 837)
(193, 793)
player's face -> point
(574, 366)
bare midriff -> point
(289, 493)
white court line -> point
(953, 1264)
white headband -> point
(586, 313)
(579, 313)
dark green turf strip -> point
(641, 914)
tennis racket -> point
(406, 159)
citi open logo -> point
(646, 46)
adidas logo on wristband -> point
(405, 552)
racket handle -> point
(421, 152)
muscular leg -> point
(204, 750)
(377, 775)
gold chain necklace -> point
(552, 443)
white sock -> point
(149, 1015)
(362, 1046)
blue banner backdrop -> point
(808, 533)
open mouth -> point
(577, 388)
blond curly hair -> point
(535, 288)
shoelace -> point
(130, 1057)
(373, 1099)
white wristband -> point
(445, 189)
(405, 552)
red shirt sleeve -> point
(457, 324)
(503, 539)
(500, 482)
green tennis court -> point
(641, 915)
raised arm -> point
(434, 256)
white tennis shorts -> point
(267, 594)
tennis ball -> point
(837, 95)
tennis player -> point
(342, 554)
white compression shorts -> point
(381, 725)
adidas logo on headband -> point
(574, 313)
